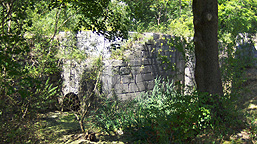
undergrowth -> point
(164, 115)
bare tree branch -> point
(56, 22)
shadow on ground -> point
(62, 127)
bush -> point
(160, 116)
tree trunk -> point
(207, 72)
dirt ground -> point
(62, 127)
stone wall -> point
(136, 74)
(246, 50)
(131, 74)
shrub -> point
(160, 116)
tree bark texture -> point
(207, 71)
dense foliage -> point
(164, 116)
(30, 62)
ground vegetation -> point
(30, 65)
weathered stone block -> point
(135, 62)
(125, 97)
(129, 96)
(144, 77)
(116, 79)
(146, 69)
(137, 87)
(125, 70)
(121, 88)
(147, 61)
(127, 79)
(136, 70)
(151, 84)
